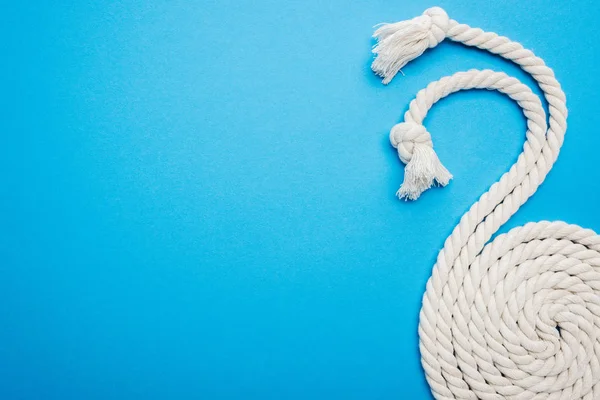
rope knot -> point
(439, 25)
(400, 42)
(423, 167)
(405, 136)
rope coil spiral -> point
(518, 317)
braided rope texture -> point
(517, 317)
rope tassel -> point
(423, 170)
(423, 167)
(401, 42)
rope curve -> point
(519, 317)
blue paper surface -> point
(197, 197)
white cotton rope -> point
(519, 317)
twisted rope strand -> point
(519, 317)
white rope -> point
(519, 317)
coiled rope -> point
(519, 317)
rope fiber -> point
(518, 317)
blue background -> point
(198, 197)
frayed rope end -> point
(422, 172)
(399, 43)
